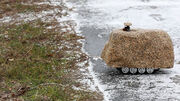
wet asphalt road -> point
(163, 85)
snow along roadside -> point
(91, 79)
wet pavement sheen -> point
(96, 24)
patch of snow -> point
(93, 86)
(153, 14)
(99, 35)
(74, 16)
(97, 83)
(82, 64)
(51, 2)
(176, 42)
(6, 19)
(82, 41)
(93, 83)
(96, 58)
(76, 88)
(88, 78)
(116, 12)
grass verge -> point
(12, 7)
(33, 68)
(38, 58)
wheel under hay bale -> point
(138, 50)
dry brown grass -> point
(36, 62)
(30, 57)
(12, 7)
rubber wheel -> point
(149, 70)
(133, 70)
(141, 70)
(125, 70)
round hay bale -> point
(139, 48)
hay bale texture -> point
(139, 48)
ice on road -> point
(97, 18)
